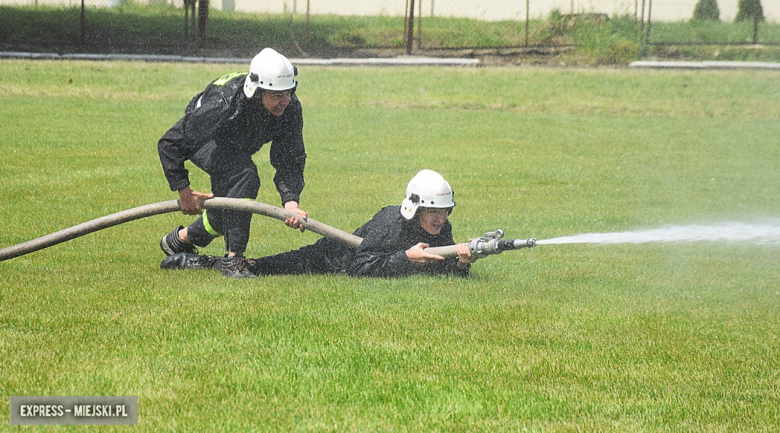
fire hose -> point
(491, 243)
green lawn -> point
(654, 337)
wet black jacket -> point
(387, 236)
(224, 117)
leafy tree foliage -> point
(749, 9)
(706, 10)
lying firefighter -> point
(393, 243)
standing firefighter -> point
(393, 243)
(222, 128)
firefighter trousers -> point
(233, 175)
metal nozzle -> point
(516, 244)
(493, 244)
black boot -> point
(191, 261)
(236, 267)
(172, 244)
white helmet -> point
(271, 71)
(427, 189)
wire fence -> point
(660, 21)
(487, 10)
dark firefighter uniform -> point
(220, 131)
(386, 237)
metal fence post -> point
(83, 23)
(419, 26)
(203, 22)
(649, 13)
(410, 28)
(755, 27)
(308, 41)
(527, 4)
(406, 21)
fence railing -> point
(427, 24)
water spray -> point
(766, 233)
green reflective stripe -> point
(207, 225)
(221, 81)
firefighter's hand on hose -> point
(189, 201)
(464, 255)
(417, 255)
(295, 222)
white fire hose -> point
(480, 247)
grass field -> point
(654, 337)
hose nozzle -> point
(520, 243)
(492, 243)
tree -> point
(706, 10)
(749, 10)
